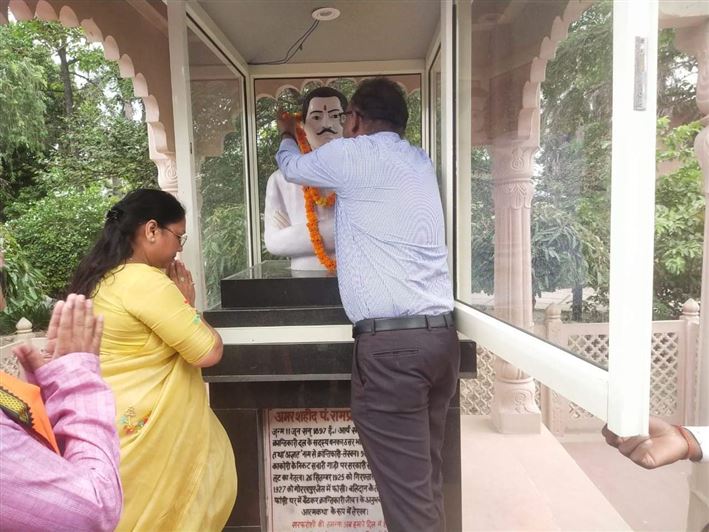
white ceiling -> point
(367, 30)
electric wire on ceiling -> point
(295, 47)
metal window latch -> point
(640, 84)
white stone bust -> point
(285, 230)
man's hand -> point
(72, 329)
(286, 123)
(664, 445)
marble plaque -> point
(317, 477)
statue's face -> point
(322, 123)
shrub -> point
(24, 292)
(56, 231)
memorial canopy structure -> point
(211, 74)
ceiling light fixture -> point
(325, 13)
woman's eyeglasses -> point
(182, 239)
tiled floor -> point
(533, 482)
(648, 500)
(527, 482)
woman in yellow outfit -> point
(177, 464)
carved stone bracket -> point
(167, 174)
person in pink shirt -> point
(60, 473)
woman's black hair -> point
(115, 244)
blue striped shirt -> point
(389, 228)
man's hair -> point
(381, 99)
(323, 92)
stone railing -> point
(23, 333)
(673, 377)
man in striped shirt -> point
(395, 288)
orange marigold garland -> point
(312, 198)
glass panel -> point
(287, 94)
(218, 137)
(434, 84)
(540, 130)
(679, 233)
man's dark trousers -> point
(402, 384)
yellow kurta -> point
(177, 464)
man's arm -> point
(324, 167)
(664, 445)
(81, 489)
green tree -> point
(56, 231)
(24, 292)
(574, 157)
(223, 213)
(571, 209)
(105, 149)
(68, 148)
(679, 221)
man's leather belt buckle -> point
(397, 324)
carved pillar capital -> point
(167, 174)
(512, 160)
(513, 193)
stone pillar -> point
(688, 385)
(513, 407)
(695, 41)
(167, 174)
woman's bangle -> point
(694, 451)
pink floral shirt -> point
(80, 490)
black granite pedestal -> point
(254, 377)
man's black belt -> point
(407, 322)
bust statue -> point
(285, 230)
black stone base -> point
(273, 284)
(239, 406)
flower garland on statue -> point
(312, 198)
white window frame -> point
(180, 17)
(620, 395)
(182, 114)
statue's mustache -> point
(327, 130)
